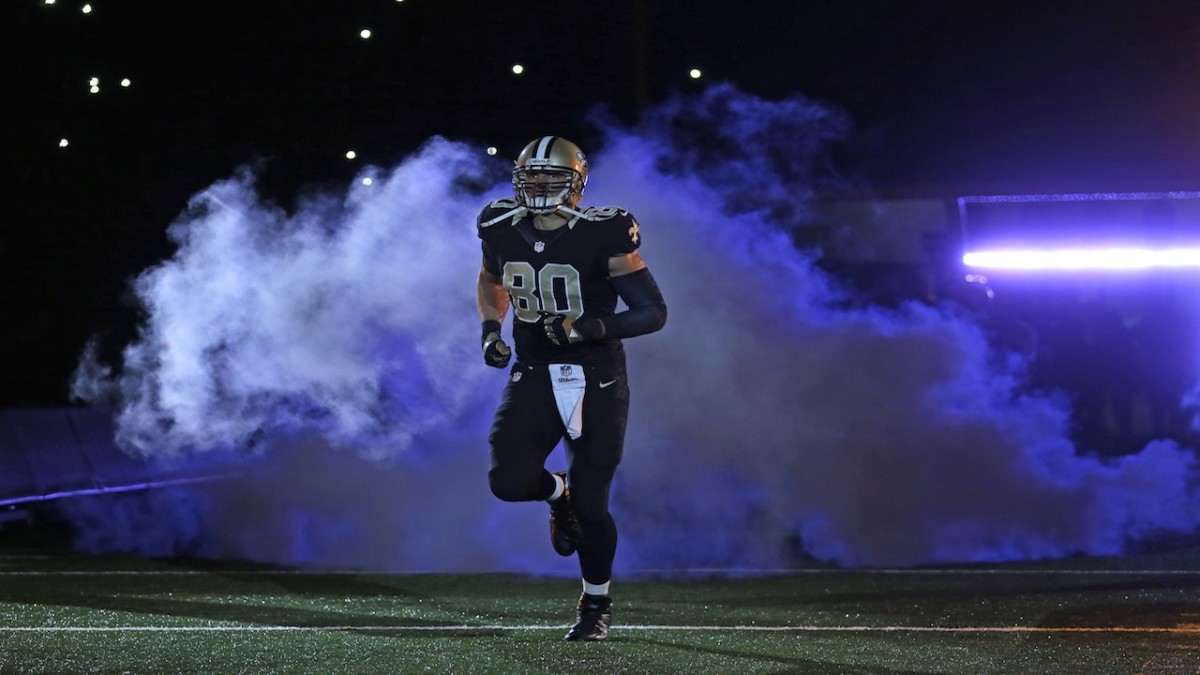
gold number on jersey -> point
(518, 281)
(529, 297)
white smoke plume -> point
(348, 315)
(340, 341)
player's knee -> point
(513, 486)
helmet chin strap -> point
(573, 212)
(564, 208)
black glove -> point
(563, 330)
(495, 352)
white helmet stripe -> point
(543, 149)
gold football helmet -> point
(551, 173)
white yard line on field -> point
(686, 628)
(679, 573)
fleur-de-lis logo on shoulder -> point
(633, 232)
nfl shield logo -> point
(539, 246)
(565, 371)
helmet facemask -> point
(544, 190)
(550, 174)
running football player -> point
(561, 268)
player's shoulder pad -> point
(625, 227)
(487, 217)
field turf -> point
(68, 613)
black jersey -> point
(563, 271)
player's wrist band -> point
(490, 326)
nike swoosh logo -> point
(607, 384)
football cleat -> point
(592, 618)
(564, 525)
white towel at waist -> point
(569, 383)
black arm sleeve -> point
(646, 313)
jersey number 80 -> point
(555, 288)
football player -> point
(561, 267)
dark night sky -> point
(947, 97)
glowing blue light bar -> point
(1080, 231)
(1084, 259)
(1077, 197)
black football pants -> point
(526, 429)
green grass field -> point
(68, 613)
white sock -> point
(560, 486)
(596, 589)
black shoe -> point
(564, 526)
(592, 619)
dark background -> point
(947, 97)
